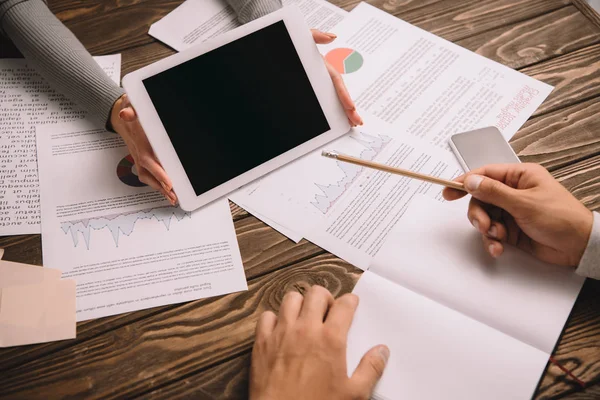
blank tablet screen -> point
(236, 107)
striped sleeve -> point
(58, 56)
(248, 10)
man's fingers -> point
(478, 216)
(497, 231)
(369, 371)
(265, 325)
(492, 246)
(450, 194)
(493, 192)
(290, 308)
(322, 37)
(341, 313)
(316, 303)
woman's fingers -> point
(127, 114)
(344, 96)
(147, 178)
(322, 37)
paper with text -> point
(26, 102)
(414, 90)
(346, 209)
(195, 21)
(125, 258)
(423, 86)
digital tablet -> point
(238, 106)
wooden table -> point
(202, 349)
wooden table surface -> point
(202, 349)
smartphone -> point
(480, 147)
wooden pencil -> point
(392, 170)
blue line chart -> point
(331, 192)
(119, 224)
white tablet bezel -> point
(317, 75)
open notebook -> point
(458, 323)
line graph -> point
(331, 192)
(119, 224)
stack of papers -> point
(36, 306)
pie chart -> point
(126, 172)
(344, 60)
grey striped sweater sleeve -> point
(590, 262)
(58, 56)
(247, 10)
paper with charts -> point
(124, 245)
(413, 90)
(500, 318)
(27, 101)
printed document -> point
(346, 209)
(195, 21)
(125, 247)
(423, 86)
(446, 308)
(26, 102)
(413, 88)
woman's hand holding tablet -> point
(248, 101)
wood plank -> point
(460, 19)
(584, 7)
(534, 40)
(227, 380)
(561, 137)
(120, 28)
(578, 348)
(575, 77)
(138, 57)
(67, 10)
(263, 250)
(22, 248)
(583, 180)
(158, 350)
(590, 393)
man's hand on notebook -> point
(353, 117)
(125, 122)
(302, 353)
(536, 213)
